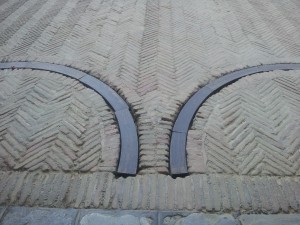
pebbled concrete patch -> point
(38, 216)
(97, 218)
(279, 219)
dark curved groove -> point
(178, 160)
(128, 159)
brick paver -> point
(210, 193)
(243, 146)
(52, 123)
(250, 127)
(154, 53)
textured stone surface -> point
(250, 127)
(58, 216)
(155, 53)
(33, 216)
(196, 219)
(270, 219)
(96, 219)
(2, 211)
(204, 219)
(53, 123)
(117, 217)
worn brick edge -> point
(128, 159)
(199, 192)
(178, 158)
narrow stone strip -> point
(128, 159)
(31, 215)
(178, 160)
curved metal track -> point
(178, 160)
(128, 159)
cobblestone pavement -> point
(59, 140)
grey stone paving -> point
(270, 219)
(181, 218)
(97, 218)
(2, 211)
(47, 216)
(116, 217)
(38, 216)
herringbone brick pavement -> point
(52, 123)
(57, 137)
(251, 127)
(199, 192)
(154, 53)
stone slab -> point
(2, 211)
(39, 216)
(116, 102)
(185, 218)
(279, 219)
(129, 155)
(116, 217)
(58, 216)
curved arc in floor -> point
(178, 157)
(128, 158)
